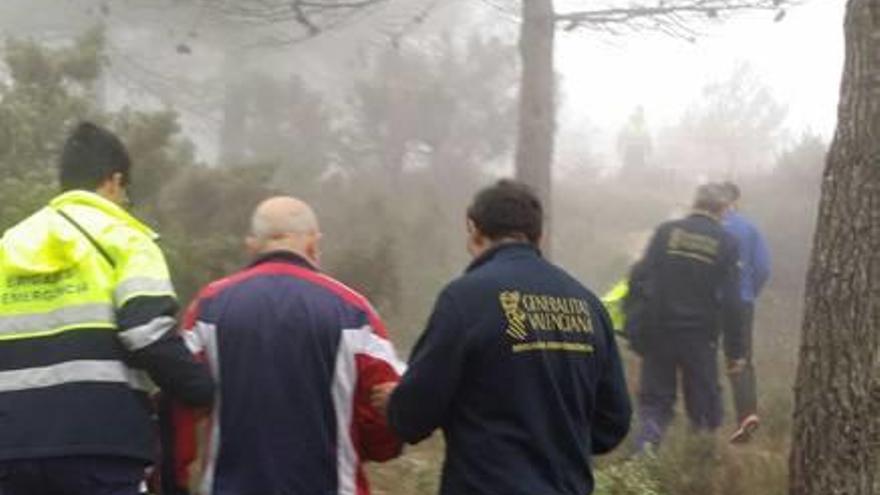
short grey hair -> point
(265, 227)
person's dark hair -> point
(508, 209)
(90, 156)
(711, 198)
(731, 191)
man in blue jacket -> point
(754, 264)
(518, 365)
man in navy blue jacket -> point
(518, 365)
(754, 270)
(687, 284)
(295, 354)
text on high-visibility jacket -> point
(87, 327)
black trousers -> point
(744, 384)
(696, 359)
(71, 476)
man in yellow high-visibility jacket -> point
(87, 315)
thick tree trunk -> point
(837, 394)
(537, 109)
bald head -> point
(284, 223)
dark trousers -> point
(696, 357)
(743, 384)
(71, 476)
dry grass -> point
(686, 464)
(416, 472)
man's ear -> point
(109, 184)
(476, 241)
(252, 245)
(114, 184)
(472, 227)
(113, 188)
(118, 179)
(313, 248)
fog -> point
(387, 119)
(799, 59)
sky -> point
(603, 77)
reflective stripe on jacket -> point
(86, 307)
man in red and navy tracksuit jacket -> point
(295, 354)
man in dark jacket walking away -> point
(518, 365)
(688, 283)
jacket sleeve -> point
(179, 424)
(641, 298)
(179, 448)
(420, 403)
(731, 303)
(761, 261)
(613, 413)
(145, 313)
(376, 362)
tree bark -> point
(537, 110)
(837, 393)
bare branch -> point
(282, 22)
(413, 22)
(672, 17)
(339, 5)
(707, 8)
(304, 19)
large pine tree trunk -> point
(837, 394)
(537, 110)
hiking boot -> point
(746, 429)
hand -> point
(735, 366)
(380, 395)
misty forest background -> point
(390, 155)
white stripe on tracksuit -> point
(363, 341)
(354, 341)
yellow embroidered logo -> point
(695, 246)
(516, 318)
(534, 318)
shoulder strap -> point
(91, 239)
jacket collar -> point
(98, 202)
(505, 250)
(705, 214)
(733, 216)
(284, 257)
